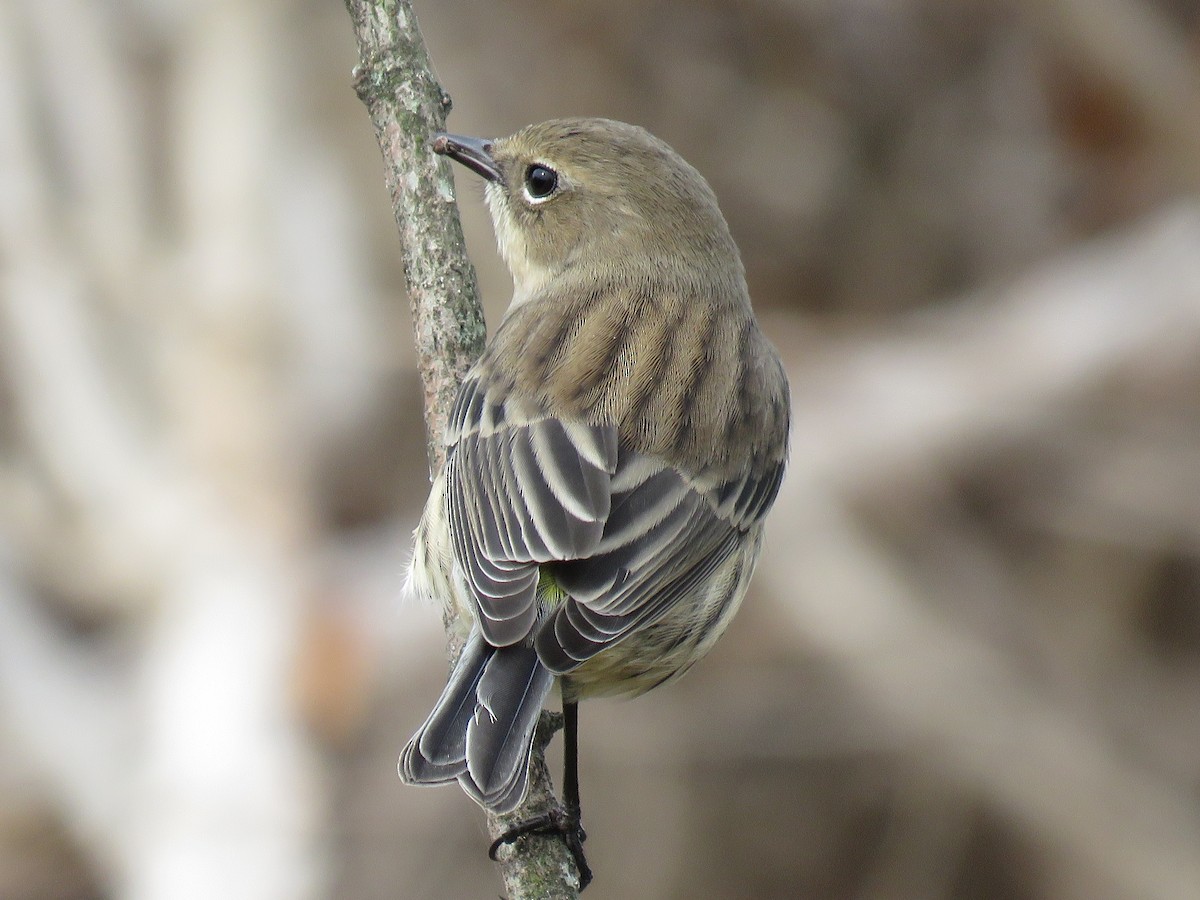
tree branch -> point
(395, 81)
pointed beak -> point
(474, 153)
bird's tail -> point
(481, 729)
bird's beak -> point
(474, 153)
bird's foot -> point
(557, 821)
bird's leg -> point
(564, 820)
(573, 832)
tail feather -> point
(437, 753)
(481, 729)
(499, 737)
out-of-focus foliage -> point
(969, 665)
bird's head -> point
(583, 200)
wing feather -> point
(625, 534)
(522, 489)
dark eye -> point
(540, 181)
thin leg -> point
(575, 836)
(565, 821)
(571, 757)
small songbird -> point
(610, 457)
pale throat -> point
(528, 277)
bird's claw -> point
(558, 821)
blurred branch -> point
(1036, 351)
(870, 411)
(102, 139)
(407, 106)
(70, 712)
(976, 714)
(1132, 46)
(177, 763)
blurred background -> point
(969, 666)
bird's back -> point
(701, 394)
(700, 385)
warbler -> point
(610, 458)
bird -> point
(610, 458)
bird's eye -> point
(540, 181)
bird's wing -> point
(623, 531)
(523, 488)
(627, 533)
(665, 535)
